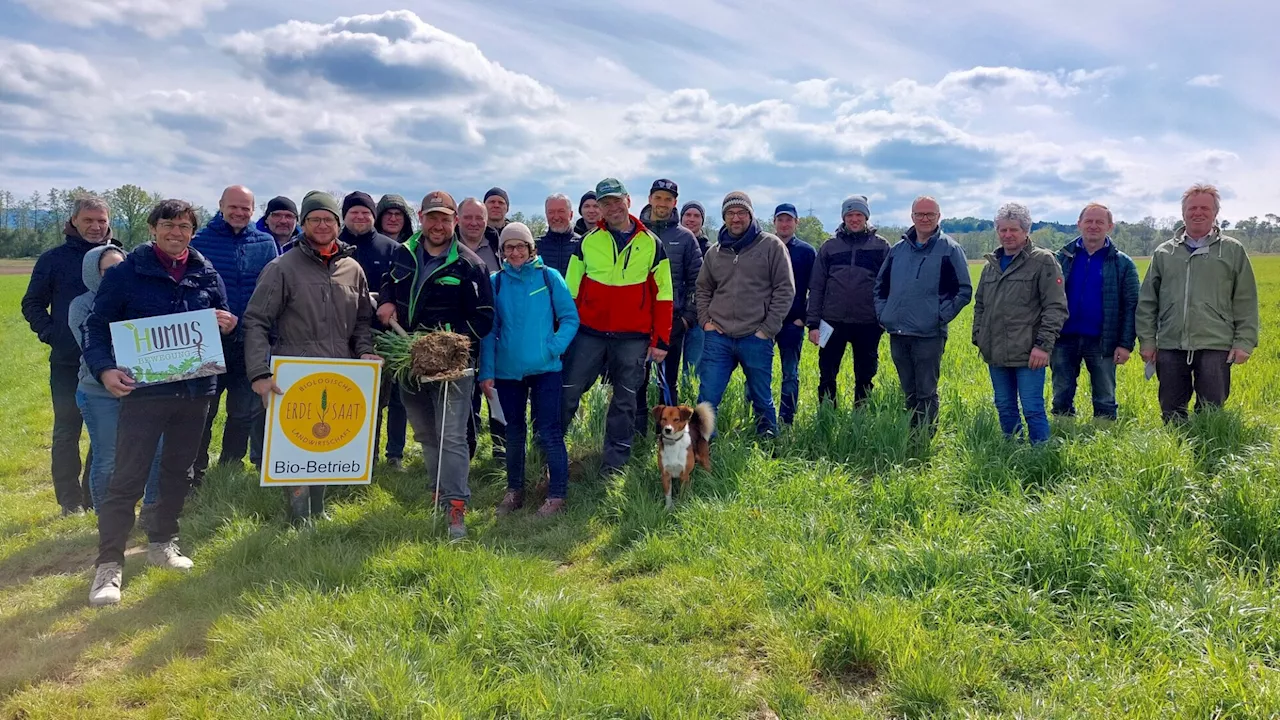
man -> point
(620, 279)
(693, 216)
(393, 218)
(744, 292)
(560, 242)
(280, 221)
(589, 209)
(312, 302)
(438, 282)
(842, 295)
(162, 277)
(496, 204)
(1102, 302)
(1198, 309)
(473, 228)
(238, 252)
(926, 270)
(791, 338)
(56, 280)
(685, 261)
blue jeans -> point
(1014, 384)
(720, 355)
(694, 340)
(544, 393)
(1068, 353)
(790, 343)
(101, 417)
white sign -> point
(321, 431)
(169, 348)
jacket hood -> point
(388, 202)
(534, 264)
(646, 217)
(89, 268)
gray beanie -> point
(856, 203)
(696, 206)
(737, 198)
(319, 200)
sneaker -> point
(396, 464)
(167, 554)
(106, 585)
(72, 510)
(553, 506)
(512, 501)
(147, 518)
(457, 516)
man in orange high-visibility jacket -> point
(621, 280)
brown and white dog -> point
(684, 435)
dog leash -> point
(667, 398)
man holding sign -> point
(162, 277)
(317, 300)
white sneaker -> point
(167, 554)
(106, 585)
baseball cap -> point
(785, 209)
(610, 187)
(665, 185)
(439, 201)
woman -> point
(1019, 309)
(534, 320)
(101, 409)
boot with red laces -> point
(457, 517)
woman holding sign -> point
(316, 299)
(163, 277)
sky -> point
(976, 103)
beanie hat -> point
(358, 199)
(785, 209)
(855, 203)
(666, 186)
(500, 193)
(737, 198)
(517, 231)
(696, 206)
(281, 203)
(319, 200)
(588, 195)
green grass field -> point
(1126, 570)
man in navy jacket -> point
(791, 338)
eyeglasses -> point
(321, 220)
(514, 247)
(166, 226)
(736, 214)
(925, 216)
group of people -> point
(630, 299)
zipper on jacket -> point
(1186, 299)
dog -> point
(684, 438)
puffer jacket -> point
(534, 321)
(1021, 308)
(316, 308)
(842, 287)
(557, 248)
(56, 280)
(78, 314)
(686, 262)
(238, 257)
(1201, 299)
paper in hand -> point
(824, 333)
(1150, 370)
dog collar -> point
(675, 439)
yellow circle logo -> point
(322, 412)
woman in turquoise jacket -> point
(534, 321)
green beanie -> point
(319, 200)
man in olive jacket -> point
(316, 299)
(1198, 309)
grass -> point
(1126, 570)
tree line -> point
(30, 225)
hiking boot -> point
(396, 464)
(106, 585)
(511, 502)
(167, 554)
(457, 516)
(72, 510)
(553, 506)
(147, 518)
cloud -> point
(391, 56)
(31, 75)
(1206, 81)
(156, 18)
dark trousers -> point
(919, 364)
(70, 477)
(543, 393)
(1204, 372)
(671, 370)
(244, 428)
(623, 358)
(790, 344)
(143, 422)
(1068, 353)
(865, 339)
(397, 421)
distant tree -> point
(537, 225)
(809, 229)
(130, 206)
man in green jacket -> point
(1198, 309)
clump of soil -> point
(441, 356)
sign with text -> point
(321, 431)
(169, 348)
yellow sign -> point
(321, 431)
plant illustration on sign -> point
(321, 429)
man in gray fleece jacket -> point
(744, 292)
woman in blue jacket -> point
(534, 320)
